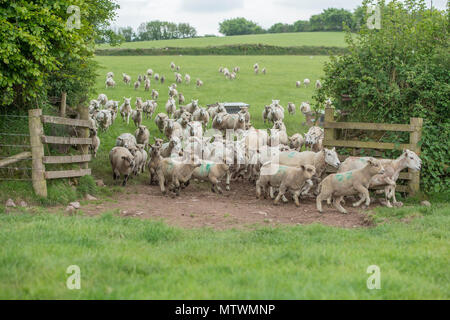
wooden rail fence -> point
(415, 131)
(37, 141)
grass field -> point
(330, 39)
(256, 90)
(136, 259)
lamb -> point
(178, 68)
(142, 136)
(173, 92)
(95, 143)
(291, 108)
(236, 69)
(306, 82)
(167, 149)
(181, 98)
(187, 78)
(155, 94)
(201, 115)
(178, 78)
(110, 83)
(147, 85)
(150, 72)
(279, 134)
(137, 117)
(221, 70)
(318, 159)
(143, 159)
(234, 121)
(276, 113)
(244, 111)
(138, 160)
(296, 142)
(191, 107)
(199, 83)
(179, 112)
(137, 84)
(125, 109)
(212, 172)
(264, 70)
(318, 84)
(215, 109)
(110, 75)
(122, 163)
(266, 111)
(155, 159)
(305, 108)
(162, 79)
(174, 173)
(256, 70)
(139, 78)
(172, 65)
(126, 78)
(113, 105)
(126, 140)
(104, 119)
(233, 76)
(349, 183)
(160, 121)
(149, 108)
(285, 178)
(172, 129)
(314, 138)
(156, 76)
(171, 107)
(408, 159)
(298, 84)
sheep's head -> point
(195, 103)
(375, 166)
(241, 118)
(279, 125)
(308, 170)
(158, 143)
(331, 157)
(129, 160)
(127, 101)
(142, 129)
(412, 160)
(219, 118)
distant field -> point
(330, 39)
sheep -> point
(174, 173)
(112, 104)
(142, 136)
(178, 68)
(298, 84)
(227, 74)
(285, 178)
(215, 109)
(95, 142)
(201, 115)
(348, 183)
(104, 119)
(138, 160)
(126, 78)
(276, 113)
(244, 111)
(305, 108)
(147, 85)
(168, 149)
(139, 78)
(172, 129)
(125, 109)
(393, 167)
(172, 65)
(234, 121)
(137, 84)
(94, 106)
(255, 66)
(155, 94)
(266, 111)
(314, 138)
(122, 163)
(150, 72)
(221, 70)
(142, 159)
(178, 78)
(199, 83)
(306, 82)
(181, 98)
(278, 134)
(256, 70)
(296, 142)
(233, 75)
(173, 85)
(212, 172)
(318, 159)
(149, 108)
(126, 140)
(110, 83)
(191, 107)
(187, 78)
(156, 76)
(162, 79)
(218, 121)
(236, 69)
(155, 159)
(171, 107)
(264, 70)
(291, 108)
(110, 75)
(160, 121)
(179, 112)
(173, 92)
(318, 84)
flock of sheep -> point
(210, 144)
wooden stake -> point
(62, 110)
(37, 152)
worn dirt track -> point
(198, 207)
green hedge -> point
(239, 49)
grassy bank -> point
(133, 259)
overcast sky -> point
(205, 15)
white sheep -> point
(122, 163)
(126, 78)
(110, 83)
(125, 109)
(187, 78)
(171, 107)
(306, 82)
(155, 94)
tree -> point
(301, 26)
(397, 72)
(281, 28)
(38, 54)
(127, 33)
(186, 30)
(239, 26)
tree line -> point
(331, 19)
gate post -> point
(37, 152)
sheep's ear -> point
(303, 167)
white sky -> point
(205, 15)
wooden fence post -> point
(84, 115)
(414, 138)
(329, 132)
(37, 152)
(62, 109)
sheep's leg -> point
(366, 196)
(296, 196)
(322, 196)
(308, 187)
(387, 196)
(271, 192)
(125, 179)
(227, 182)
(161, 181)
(215, 184)
(337, 205)
(284, 199)
(281, 193)
(258, 190)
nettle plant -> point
(396, 72)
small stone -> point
(90, 198)
(262, 213)
(426, 203)
(10, 204)
(70, 210)
(23, 204)
(139, 213)
(75, 204)
(100, 183)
